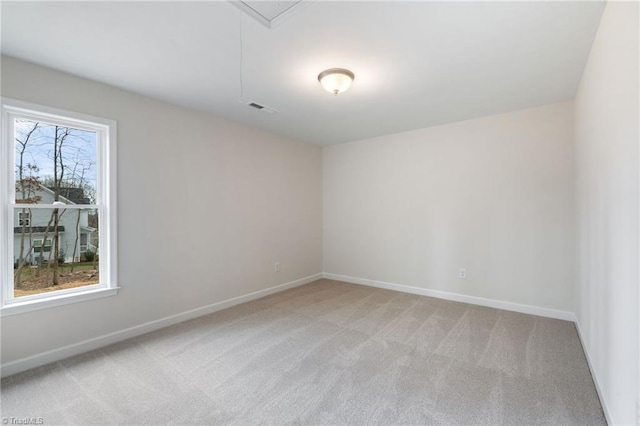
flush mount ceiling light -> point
(336, 80)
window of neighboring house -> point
(58, 196)
(24, 218)
(37, 246)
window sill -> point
(20, 307)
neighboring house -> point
(73, 227)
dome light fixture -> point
(336, 80)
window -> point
(24, 218)
(57, 188)
(37, 246)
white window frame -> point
(105, 130)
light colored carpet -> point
(325, 353)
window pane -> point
(54, 163)
(56, 252)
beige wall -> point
(205, 208)
(606, 146)
(493, 195)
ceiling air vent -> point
(262, 108)
(271, 13)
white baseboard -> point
(47, 357)
(474, 300)
(605, 408)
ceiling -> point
(417, 64)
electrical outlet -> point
(276, 266)
(462, 273)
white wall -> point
(606, 146)
(205, 207)
(493, 195)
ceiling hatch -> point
(271, 13)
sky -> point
(78, 151)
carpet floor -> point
(325, 353)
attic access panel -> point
(271, 13)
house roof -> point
(74, 196)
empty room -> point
(320, 212)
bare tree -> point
(79, 182)
(26, 187)
(70, 175)
(60, 136)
